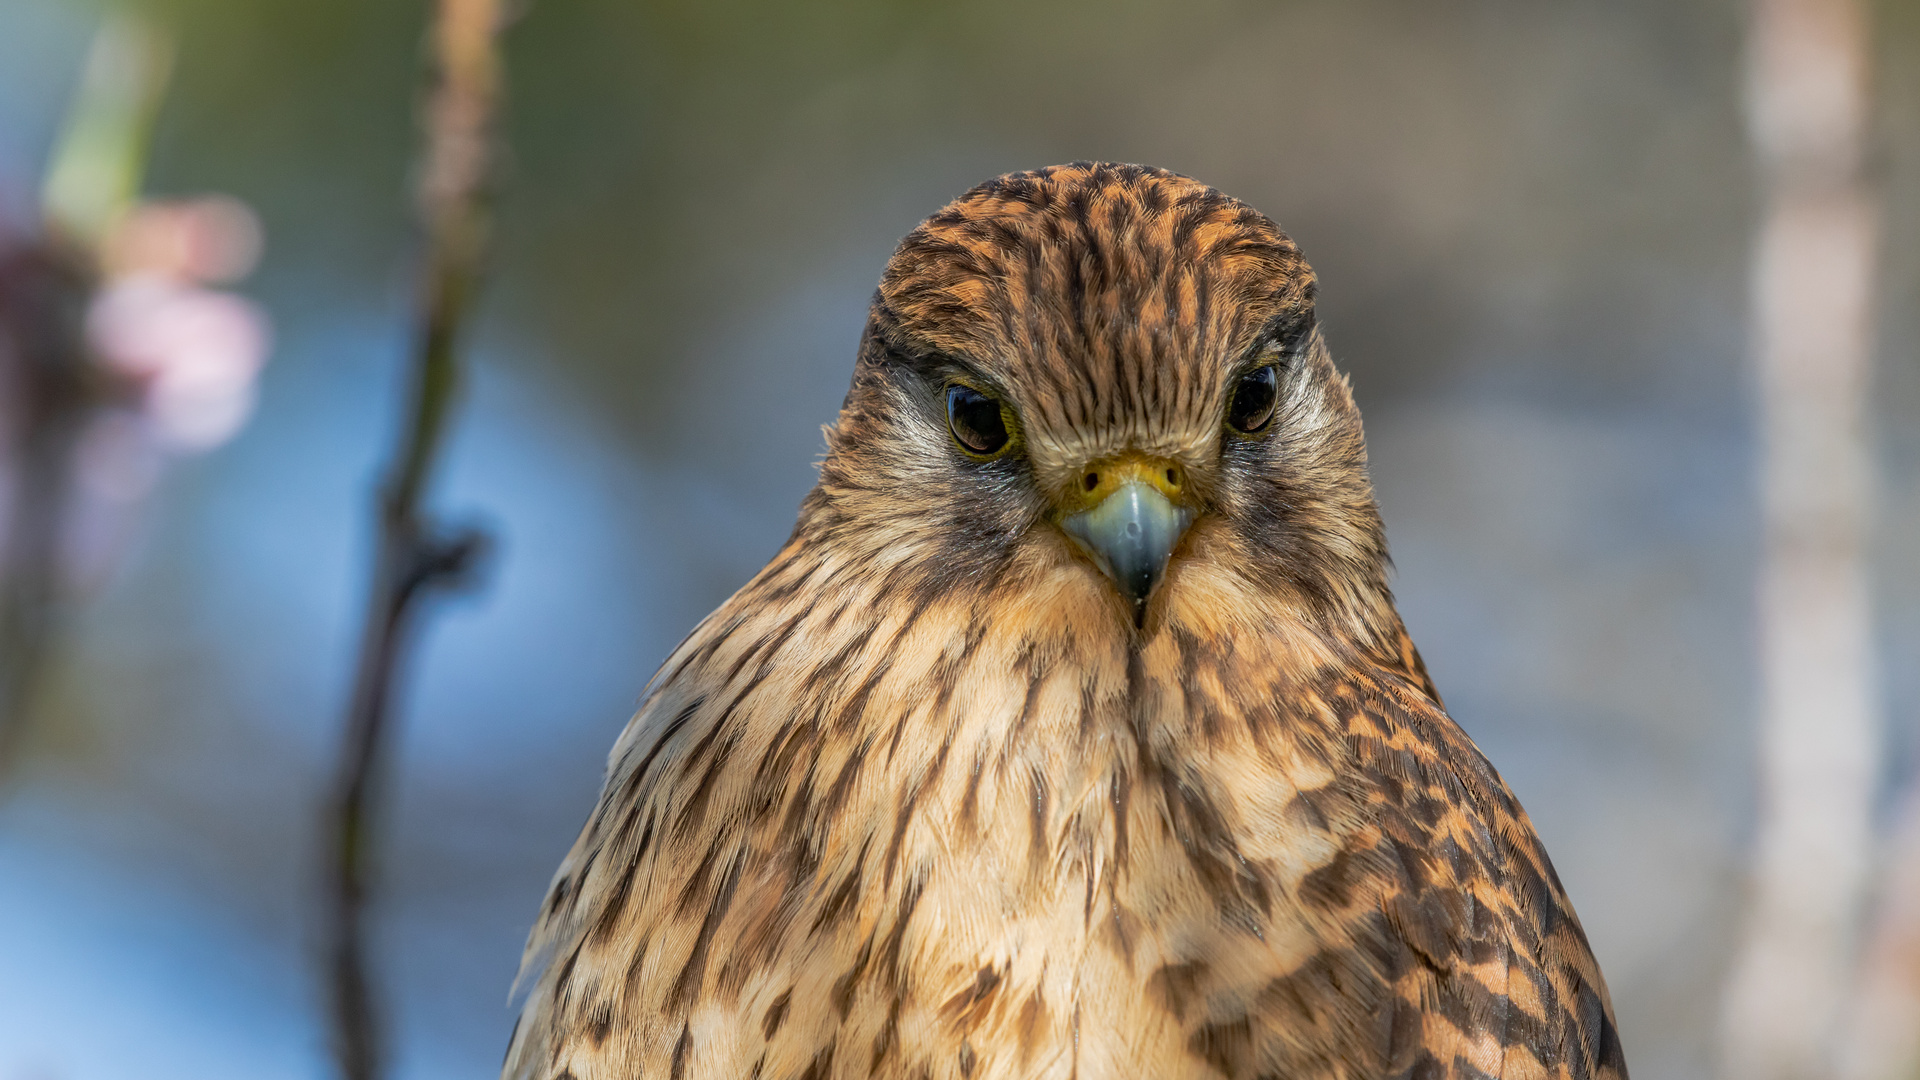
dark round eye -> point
(976, 421)
(1253, 400)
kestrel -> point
(1073, 733)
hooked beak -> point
(1129, 524)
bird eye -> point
(976, 421)
(1253, 400)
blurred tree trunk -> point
(1812, 302)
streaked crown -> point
(1110, 301)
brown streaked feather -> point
(922, 801)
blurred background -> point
(1532, 225)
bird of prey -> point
(1073, 732)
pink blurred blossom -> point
(192, 351)
(195, 351)
(181, 359)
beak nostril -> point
(1092, 480)
(1173, 477)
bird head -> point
(1108, 371)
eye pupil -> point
(975, 420)
(1253, 400)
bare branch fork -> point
(416, 555)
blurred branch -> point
(94, 176)
(415, 554)
(1812, 293)
(49, 385)
(43, 294)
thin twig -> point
(415, 554)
